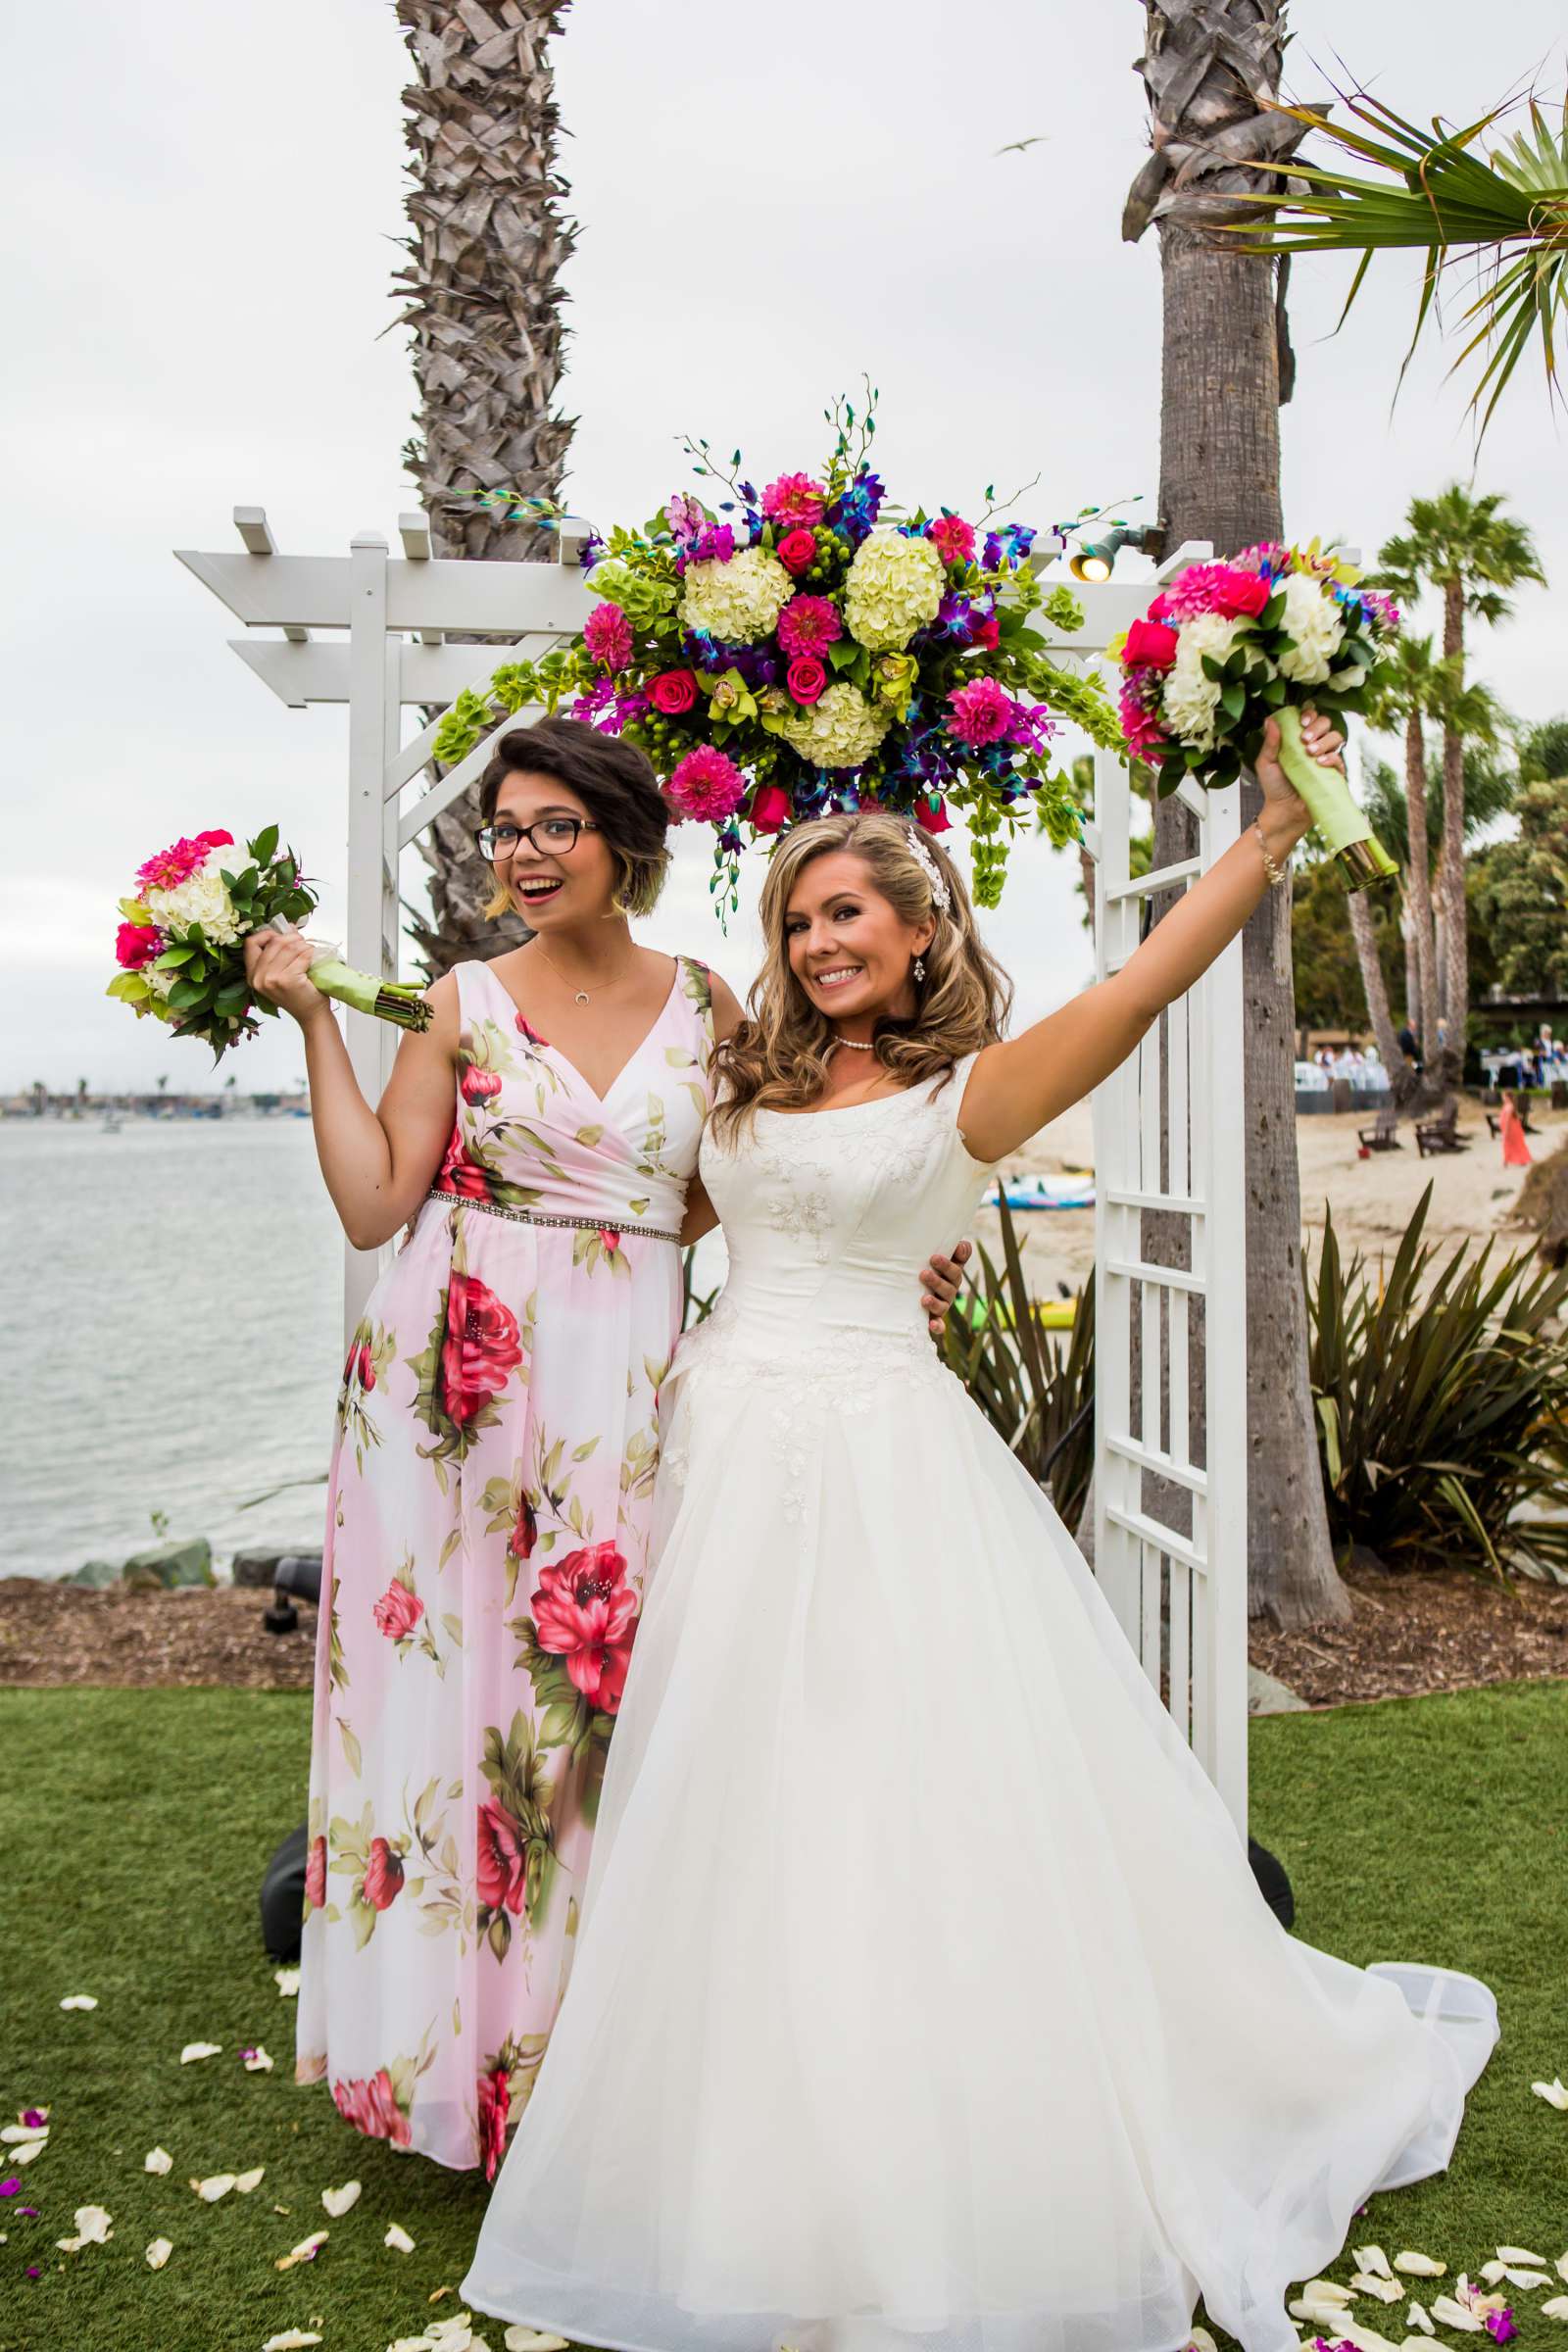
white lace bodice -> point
(828, 1218)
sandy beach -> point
(1473, 1194)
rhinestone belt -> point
(529, 1217)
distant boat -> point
(1045, 1191)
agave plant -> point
(1441, 1400)
(1035, 1388)
(1440, 193)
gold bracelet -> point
(1276, 873)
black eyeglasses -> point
(550, 837)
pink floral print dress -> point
(487, 1536)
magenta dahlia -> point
(794, 499)
(606, 633)
(809, 623)
(705, 785)
(982, 712)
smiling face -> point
(848, 945)
(553, 884)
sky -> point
(199, 252)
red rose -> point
(526, 1031)
(501, 1867)
(672, 692)
(1149, 646)
(495, 2100)
(1159, 609)
(398, 1611)
(461, 1174)
(986, 630)
(136, 943)
(932, 814)
(371, 2107)
(806, 678)
(770, 810)
(608, 1240)
(797, 552)
(585, 1613)
(1242, 595)
(316, 1874)
(215, 841)
(383, 1874)
(526, 1535)
(479, 1085)
(482, 1347)
(366, 1367)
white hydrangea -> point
(842, 730)
(1190, 697)
(737, 602)
(204, 899)
(893, 587)
(1316, 623)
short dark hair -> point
(615, 782)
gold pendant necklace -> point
(580, 996)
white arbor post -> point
(1179, 1591)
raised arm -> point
(1017, 1087)
(378, 1164)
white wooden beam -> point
(317, 671)
(415, 533)
(456, 779)
(254, 530)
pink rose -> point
(807, 678)
(932, 815)
(495, 2100)
(585, 1613)
(136, 943)
(215, 841)
(480, 1086)
(1241, 595)
(952, 538)
(794, 499)
(770, 810)
(482, 1347)
(501, 1865)
(797, 552)
(316, 1874)
(672, 692)
(609, 1240)
(1149, 645)
(398, 1611)
(371, 2107)
(383, 1874)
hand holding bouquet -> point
(1225, 648)
(181, 946)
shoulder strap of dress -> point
(697, 987)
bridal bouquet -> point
(181, 945)
(797, 649)
(1225, 647)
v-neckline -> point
(602, 1100)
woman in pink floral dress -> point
(489, 1499)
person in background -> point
(1510, 1127)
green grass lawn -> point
(137, 1824)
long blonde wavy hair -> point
(777, 1058)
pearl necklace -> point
(854, 1044)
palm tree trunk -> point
(1375, 989)
(1209, 68)
(483, 289)
(1455, 940)
(1418, 897)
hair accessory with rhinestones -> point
(941, 897)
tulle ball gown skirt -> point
(924, 1995)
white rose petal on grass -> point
(80, 2000)
(1492, 2272)
(16, 2136)
(339, 2201)
(1520, 2254)
(1561, 2265)
(1373, 2259)
(529, 2339)
(1557, 2309)
(1367, 2282)
(199, 2049)
(214, 2186)
(157, 2160)
(1419, 2317)
(158, 2253)
(398, 2238)
(292, 2339)
(27, 2152)
(244, 2183)
(1553, 2093)
(303, 2252)
(1419, 2265)
(257, 2062)
(1450, 2313)
(287, 1981)
(92, 2230)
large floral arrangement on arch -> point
(811, 648)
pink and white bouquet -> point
(182, 943)
(809, 647)
(1225, 647)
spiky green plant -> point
(1442, 1399)
(1505, 209)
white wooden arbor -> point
(373, 631)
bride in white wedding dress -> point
(924, 1997)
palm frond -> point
(1505, 210)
